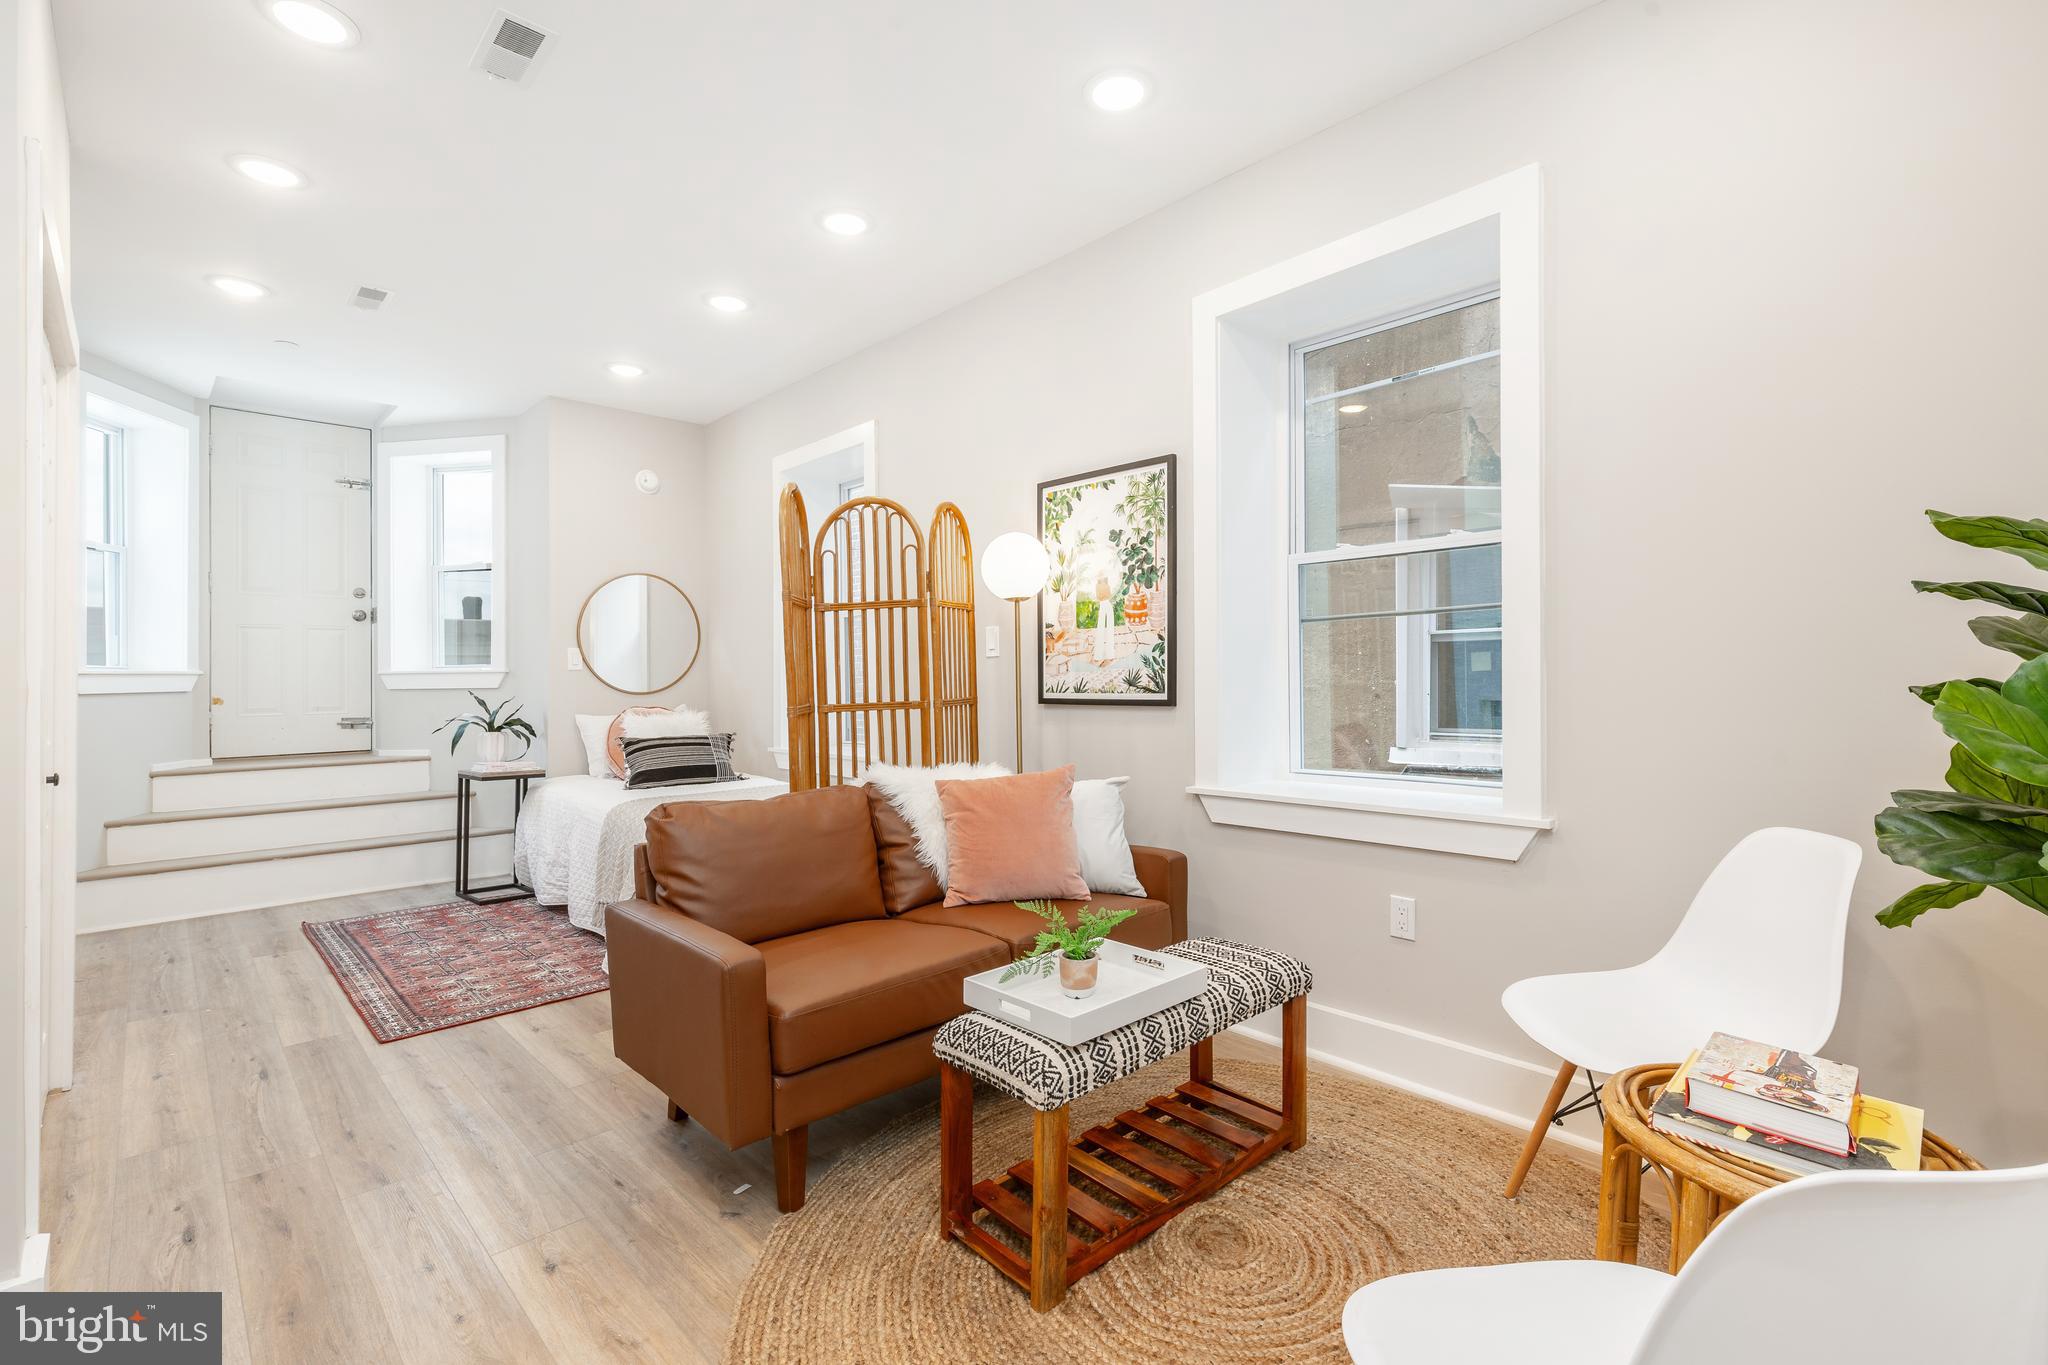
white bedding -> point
(577, 833)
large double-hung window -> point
(1396, 559)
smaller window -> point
(102, 498)
(462, 566)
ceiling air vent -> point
(367, 297)
(510, 48)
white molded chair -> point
(1874, 1267)
(1758, 954)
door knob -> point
(359, 615)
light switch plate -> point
(995, 642)
(575, 659)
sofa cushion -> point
(906, 882)
(1151, 927)
(765, 869)
(837, 990)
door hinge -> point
(353, 723)
(353, 483)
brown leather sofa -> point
(789, 958)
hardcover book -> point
(1887, 1134)
(1774, 1090)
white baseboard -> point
(35, 1267)
(1492, 1085)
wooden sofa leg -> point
(792, 1154)
(676, 1114)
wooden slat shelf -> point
(1212, 1136)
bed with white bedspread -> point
(577, 833)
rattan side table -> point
(1703, 1183)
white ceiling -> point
(663, 151)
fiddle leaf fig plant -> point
(1079, 941)
(1989, 829)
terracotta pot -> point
(1077, 978)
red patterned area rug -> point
(415, 971)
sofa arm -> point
(690, 1013)
(1164, 874)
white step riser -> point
(202, 789)
(231, 833)
(118, 902)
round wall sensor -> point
(647, 481)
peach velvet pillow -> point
(1011, 838)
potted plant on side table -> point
(1072, 946)
(493, 723)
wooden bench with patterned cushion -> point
(1144, 1166)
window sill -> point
(114, 681)
(443, 679)
(781, 756)
(1475, 826)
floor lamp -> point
(1014, 566)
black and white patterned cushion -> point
(1243, 982)
(677, 760)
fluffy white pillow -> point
(915, 793)
(665, 724)
(1106, 862)
(594, 730)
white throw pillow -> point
(594, 730)
(665, 724)
(1106, 862)
(915, 794)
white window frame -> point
(1416, 739)
(439, 568)
(114, 549)
(442, 677)
(1243, 469)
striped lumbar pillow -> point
(674, 760)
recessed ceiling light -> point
(1352, 407)
(727, 303)
(844, 224)
(236, 287)
(1116, 91)
(264, 171)
(314, 20)
(625, 369)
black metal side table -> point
(519, 776)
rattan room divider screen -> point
(878, 639)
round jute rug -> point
(1257, 1273)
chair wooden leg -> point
(792, 1154)
(676, 1114)
(1536, 1130)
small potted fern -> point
(493, 723)
(1072, 946)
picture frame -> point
(1105, 637)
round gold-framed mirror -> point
(639, 634)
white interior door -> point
(291, 628)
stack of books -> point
(1787, 1110)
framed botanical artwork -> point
(1105, 619)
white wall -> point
(1794, 283)
(600, 525)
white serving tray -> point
(1130, 984)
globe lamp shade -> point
(1014, 566)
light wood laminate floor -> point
(503, 1191)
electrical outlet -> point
(995, 642)
(1401, 917)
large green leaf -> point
(2005, 734)
(2032, 893)
(1931, 692)
(2026, 636)
(2028, 687)
(1960, 849)
(1968, 774)
(2027, 539)
(1921, 899)
(1998, 594)
(1975, 807)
